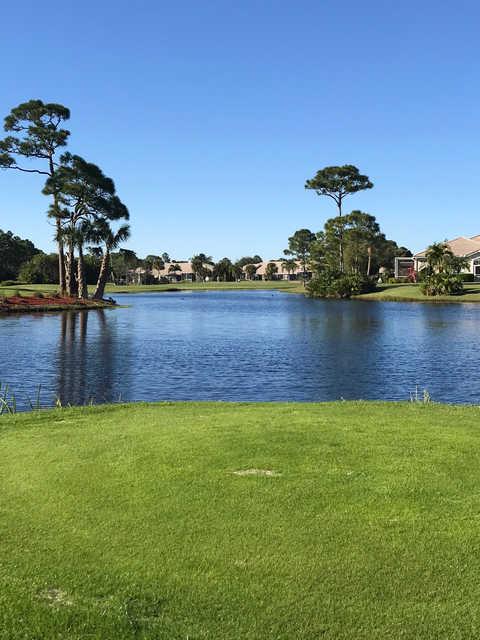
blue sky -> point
(210, 115)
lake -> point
(243, 345)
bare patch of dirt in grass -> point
(56, 598)
(269, 473)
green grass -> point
(411, 292)
(128, 522)
(283, 285)
(388, 292)
(28, 289)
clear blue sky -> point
(210, 115)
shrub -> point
(467, 277)
(423, 274)
(8, 283)
(330, 284)
(442, 284)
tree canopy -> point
(365, 247)
(14, 251)
(338, 182)
(201, 265)
(300, 247)
(226, 271)
(37, 133)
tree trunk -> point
(102, 276)
(61, 253)
(81, 279)
(61, 262)
(70, 271)
(341, 237)
(369, 264)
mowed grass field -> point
(387, 292)
(343, 520)
(282, 285)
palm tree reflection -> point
(85, 358)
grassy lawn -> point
(130, 522)
(389, 292)
(283, 285)
(411, 292)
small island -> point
(40, 302)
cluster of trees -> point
(21, 261)
(85, 208)
(203, 266)
(442, 274)
(226, 270)
(350, 248)
(14, 252)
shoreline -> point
(28, 301)
(35, 304)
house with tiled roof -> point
(461, 247)
(178, 271)
(281, 273)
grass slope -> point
(128, 522)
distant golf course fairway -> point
(347, 520)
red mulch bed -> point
(33, 301)
(24, 303)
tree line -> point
(84, 206)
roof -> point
(262, 267)
(460, 247)
(185, 268)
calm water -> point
(250, 345)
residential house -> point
(282, 273)
(184, 273)
(461, 247)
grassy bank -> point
(387, 292)
(283, 285)
(132, 522)
(412, 293)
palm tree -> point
(270, 271)
(251, 270)
(173, 268)
(199, 262)
(103, 232)
(84, 233)
(290, 265)
(224, 270)
(438, 255)
(83, 194)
